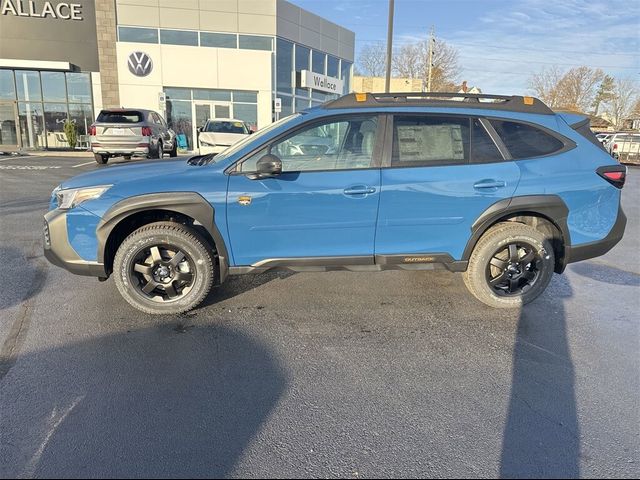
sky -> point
(501, 43)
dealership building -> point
(191, 60)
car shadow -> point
(606, 274)
(542, 435)
(164, 401)
(236, 285)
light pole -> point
(387, 82)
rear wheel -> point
(511, 265)
(100, 159)
(155, 152)
(174, 150)
(164, 268)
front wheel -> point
(174, 150)
(511, 265)
(164, 268)
(100, 159)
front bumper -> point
(585, 251)
(58, 250)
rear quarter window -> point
(120, 117)
(525, 141)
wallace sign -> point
(61, 10)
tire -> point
(100, 159)
(149, 276)
(511, 265)
(127, 157)
(155, 152)
(174, 150)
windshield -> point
(251, 138)
(225, 127)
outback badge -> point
(244, 200)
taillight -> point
(92, 130)
(615, 174)
(615, 146)
(146, 131)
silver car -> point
(131, 131)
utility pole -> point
(387, 82)
(432, 41)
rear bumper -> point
(585, 251)
(120, 150)
(58, 250)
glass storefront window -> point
(253, 42)
(55, 115)
(346, 76)
(79, 87)
(138, 35)
(207, 94)
(287, 106)
(302, 63)
(246, 112)
(317, 62)
(247, 97)
(218, 40)
(82, 115)
(31, 123)
(178, 93)
(301, 104)
(53, 87)
(180, 119)
(7, 87)
(179, 37)
(284, 65)
(28, 85)
(333, 66)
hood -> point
(144, 170)
(221, 138)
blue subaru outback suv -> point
(500, 188)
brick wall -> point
(106, 30)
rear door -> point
(442, 172)
(323, 205)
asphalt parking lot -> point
(393, 374)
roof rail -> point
(514, 103)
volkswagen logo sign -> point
(140, 64)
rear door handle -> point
(485, 184)
(359, 190)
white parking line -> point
(83, 164)
(12, 157)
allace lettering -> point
(29, 8)
(324, 83)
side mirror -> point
(199, 129)
(268, 166)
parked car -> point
(504, 190)
(131, 131)
(624, 145)
(602, 137)
(220, 133)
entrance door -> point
(203, 111)
(8, 126)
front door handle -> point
(359, 190)
(491, 183)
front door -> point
(323, 205)
(203, 111)
(9, 139)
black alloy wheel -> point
(514, 269)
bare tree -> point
(411, 61)
(621, 105)
(372, 61)
(545, 85)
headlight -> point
(206, 144)
(72, 197)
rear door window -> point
(483, 148)
(120, 117)
(430, 140)
(525, 141)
